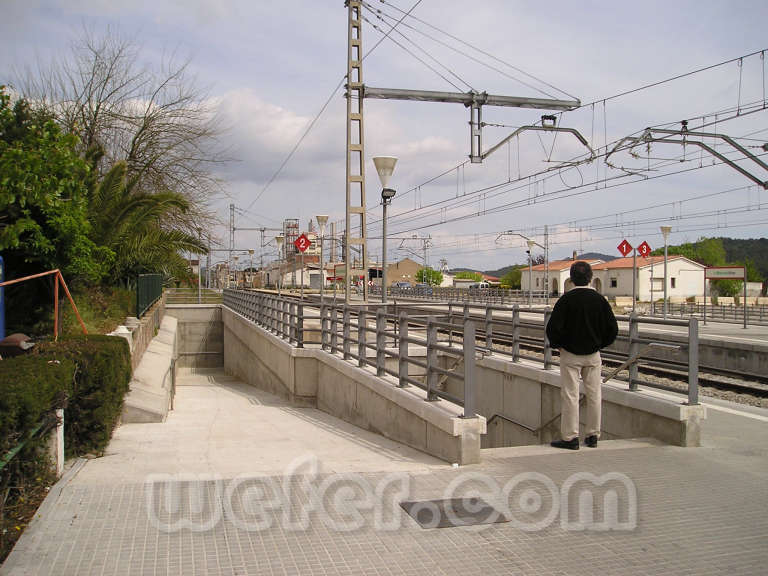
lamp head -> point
(665, 230)
(385, 165)
(322, 220)
(279, 240)
(387, 194)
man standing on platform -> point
(582, 323)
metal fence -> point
(756, 314)
(499, 296)
(149, 289)
(449, 336)
(193, 296)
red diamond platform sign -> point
(644, 249)
(302, 243)
(625, 247)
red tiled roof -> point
(627, 262)
(556, 265)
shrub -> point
(102, 373)
(30, 389)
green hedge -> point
(95, 396)
(30, 389)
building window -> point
(614, 282)
(537, 282)
(672, 280)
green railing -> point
(149, 289)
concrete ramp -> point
(151, 388)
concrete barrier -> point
(527, 399)
(312, 377)
(151, 387)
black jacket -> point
(582, 322)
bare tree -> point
(158, 121)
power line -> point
(484, 53)
(317, 117)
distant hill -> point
(725, 251)
(597, 256)
(736, 251)
(756, 250)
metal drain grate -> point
(452, 512)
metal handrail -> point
(286, 317)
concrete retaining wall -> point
(311, 377)
(151, 389)
(529, 397)
(201, 334)
(143, 330)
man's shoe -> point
(572, 444)
(591, 441)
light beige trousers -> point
(574, 369)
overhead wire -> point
(384, 15)
(320, 113)
(375, 27)
(483, 52)
(413, 43)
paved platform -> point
(237, 482)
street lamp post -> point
(665, 230)
(385, 165)
(531, 244)
(235, 258)
(322, 220)
(279, 239)
(250, 251)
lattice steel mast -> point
(355, 153)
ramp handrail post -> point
(346, 335)
(469, 369)
(402, 364)
(334, 329)
(515, 333)
(300, 325)
(634, 348)
(489, 329)
(450, 321)
(693, 361)
(292, 328)
(381, 341)
(547, 347)
(432, 374)
(361, 350)
(286, 323)
(323, 326)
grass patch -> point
(102, 309)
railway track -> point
(666, 374)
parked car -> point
(479, 285)
(402, 285)
(423, 289)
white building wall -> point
(687, 277)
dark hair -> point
(581, 273)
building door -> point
(598, 285)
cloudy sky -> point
(271, 65)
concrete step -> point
(488, 454)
